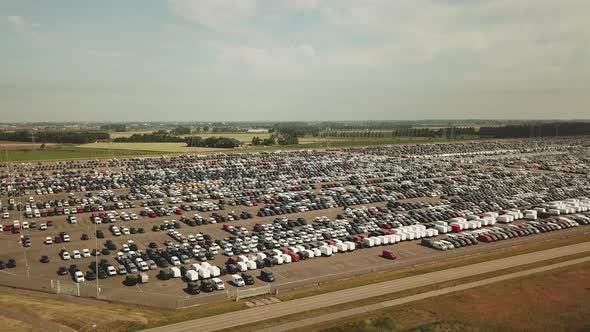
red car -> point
(7, 228)
(388, 254)
(49, 223)
(294, 257)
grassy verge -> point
(413, 291)
(557, 300)
(68, 152)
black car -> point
(44, 259)
(99, 234)
(267, 276)
(102, 274)
(62, 271)
(90, 275)
(2, 266)
(130, 280)
(193, 287)
(165, 274)
(11, 263)
(84, 237)
(248, 279)
(207, 286)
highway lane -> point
(256, 314)
(381, 305)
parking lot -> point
(271, 208)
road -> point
(381, 305)
(267, 312)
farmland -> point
(65, 151)
(562, 305)
(154, 147)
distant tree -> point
(43, 146)
(181, 131)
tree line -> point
(212, 142)
(74, 137)
(160, 136)
(537, 130)
(447, 132)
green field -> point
(67, 152)
(154, 147)
(107, 150)
(242, 137)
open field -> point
(13, 325)
(153, 147)
(10, 145)
(59, 152)
(242, 137)
(18, 151)
(556, 300)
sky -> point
(293, 60)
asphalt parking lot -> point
(423, 190)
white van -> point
(237, 280)
(175, 272)
(218, 284)
(191, 275)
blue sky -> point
(214, 60)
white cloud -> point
(102, 53)
(304, 4)
(215, 14)
(15, 22)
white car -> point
(65, 255)
(175, 261)
(218, 284)
(85, 253)
(133, 216)
(125, 247)
(66, 238)
(5, 215)
(111, 271)
(43, 227)
(125, 231)
(76, 254)
(78, 276)
(48, 240)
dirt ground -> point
(13, 325)
(8, 145)
(551, 301)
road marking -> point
(141, 290)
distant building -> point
(257, 130)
